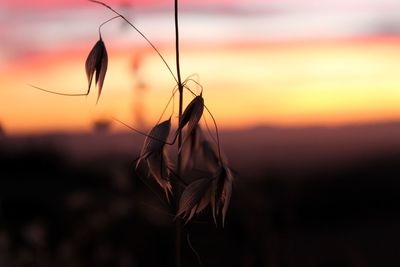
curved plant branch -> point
(141, 33)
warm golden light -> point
(303, 83)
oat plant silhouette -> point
(198, 175)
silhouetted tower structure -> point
(139, 90)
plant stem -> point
(178, 224)
(138, 31)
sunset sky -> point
(285, 63)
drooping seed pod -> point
(192, 115)
(195, 198)
(97, 62)
(158, 164)
(210, 155)
(221, 192)
(155, 140)
(189, 149)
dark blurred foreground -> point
(303, 197)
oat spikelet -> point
(221, 192)
(97, 62)
(195, 198)
(190, 148)
(209, 154)
(192, 115)
(158, 164)
(155, 141)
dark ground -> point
(304, 197)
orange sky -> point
(286, 63)
(287, 84)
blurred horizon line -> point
(110, 129)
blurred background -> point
(307, 98)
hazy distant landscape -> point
(302, 197)
(255, 149)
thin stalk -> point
(178, 223)
(148, 135)
(56, 93)
(138, 31)
(105, 22)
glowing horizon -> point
(331, 83)
(256, 70)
